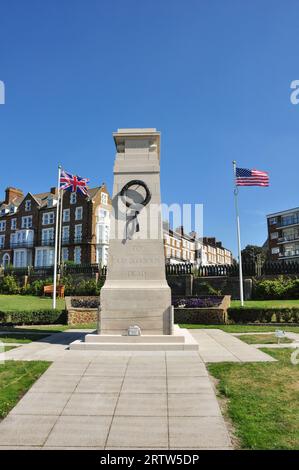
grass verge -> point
(16, 377)
(266, 303)
(22, 303)
(263, 339)
(242, 328)
(262, 400)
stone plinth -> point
(136, 291)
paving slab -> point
(91, 404)
(198, 432)
(41, 404)
(79, 431)
(25, 430)
(94, 384)
(191, 404)
(142, 404)
(138, 431)
(218, 346)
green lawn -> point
(263, 339)
(241, 328)
(262, 401)
(11, 337)
(9, 303)
(48, 328)
(8, 348)
(16, 377)
(266, 303)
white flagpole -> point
(60, 227)
(236, 191)
(56, 239)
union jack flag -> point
(73, 183)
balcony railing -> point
(289, 253)
(22, 244)
(288, 238)
(289, 221)
(47, 242)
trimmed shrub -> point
(279, 288)
(263, 315)
(9, 285)
(204, 316)
(34, 317)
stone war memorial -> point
(136, 311)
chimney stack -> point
(12, 193)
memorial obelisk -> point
(136, 292)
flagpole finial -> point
(59, 166)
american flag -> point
(73, 183)
(245, 177)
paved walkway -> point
(218, 346)
(128, 400)
(122, 400)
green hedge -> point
(203, 316)
(34, 317)
(263, 315)
(9, 285)
(278, 288)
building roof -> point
(41, 198)
(287, 211)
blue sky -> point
(212, 75)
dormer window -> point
(28, 205)
(73, 198)
(104, 198)
(3, 211)
(12, 209)
(50, 201)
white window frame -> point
(13, 224)
(63, 256)
(65, 228)
(46, 218)
(275, 250)
(66, 215)
(2, 225)
(28, 205)
(2, 241)
(104, 198)
(273, 220)
(79, 213)
(274, 235)
(48, 234)
(26, 221)
(73, 198)
(78, 237)
(77, 249)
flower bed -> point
(197, 302)
(202, 310)
(82, 309)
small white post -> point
(56, 239)
(236, 191)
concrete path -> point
(122, 400)
(159, 400)
(218, 346)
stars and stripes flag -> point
(245, 177)
(69, 182)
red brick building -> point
(27, 227)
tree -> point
(254, 253)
